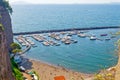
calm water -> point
(85, 56)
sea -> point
(86, 56)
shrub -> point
(16, 72)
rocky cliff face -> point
(5, 66)
(6, 22)
(5, 40)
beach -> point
(117, 75)
(48, 72)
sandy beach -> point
(48, 72)
(117, 75)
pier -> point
(26, 49)
(63, 30)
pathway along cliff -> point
(6, 39)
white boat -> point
(46, 43)
(67, 42)
(57, 38)
(82, 35)
(93, 38)
(107, 39)
(74, 41)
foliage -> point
(16, 72)
(104, 76)
(1, 27)
(16, 50)
(118, 42)
(15, 46)
(117, 33)
(6, 5)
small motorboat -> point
(103, 34)
(107, 39)
(93, 38)
(82, 35)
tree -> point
(16, 51)
(6, 5)
(15, 46)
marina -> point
(57, 38)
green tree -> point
(15, 46)
(16, 51)
(6, 5)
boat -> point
(74, 41)
(57, 38)
(113, 36)
(107, 39)
(63, 33)
(67, 42)
(103, 34)
(46, 43)
(93, 38)
(57, 44)
(82, 35)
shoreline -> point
(117, 67)
(48, 71)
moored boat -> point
(103, 34)
(93, 38)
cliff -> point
(5, 40)
(6, 22)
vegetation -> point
(117, 33)
(107, 76)
(16, 51)
(15, 48)
(118, 42)
(6, 5)
(1, 27)
(16, 72)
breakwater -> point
(61, 30)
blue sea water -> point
(42, 17)
(86, 56)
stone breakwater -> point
(62, 30)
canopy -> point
(59, 78)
